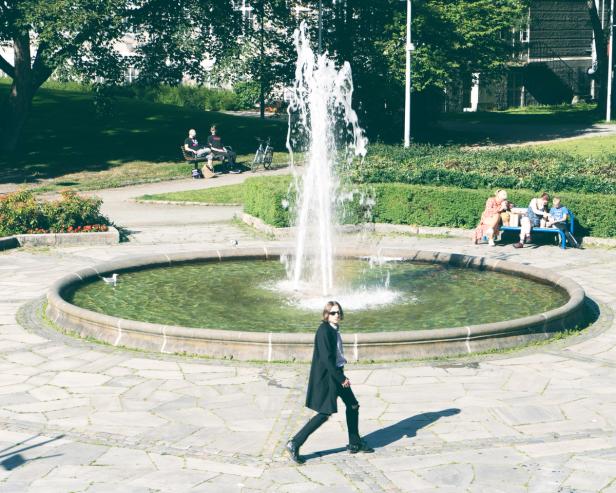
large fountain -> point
(321, 120)
(265, 303)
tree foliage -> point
(264, 53)
(174, 39)
(453, 40)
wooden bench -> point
(561, 233)
(192, 158)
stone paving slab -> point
(535, 420)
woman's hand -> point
(346, 383)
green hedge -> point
(265, 198)
(511, 168)
(21, 213)
(400, 203)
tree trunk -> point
(17, 110)
(19, 100)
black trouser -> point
(564, 228)
(352, 419)
(228, 154)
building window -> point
(131, 75)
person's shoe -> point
(293, 451)
(362, 446)
(519, 244)
(491, 242)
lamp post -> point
(610, 66)
(320, 26)
(407, 88)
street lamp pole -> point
(407, 88)
(610, 69)
(320, 26)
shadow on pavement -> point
(14, 459)
(386, 436)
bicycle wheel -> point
(258, 159)
(268, 157)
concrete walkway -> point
(489, 134)
(77, 416)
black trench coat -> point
(324, 376)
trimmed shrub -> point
(265, 198)
(443, 206)
(21, 213)
(400, 203)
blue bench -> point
(563, 238)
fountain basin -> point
(272, 346)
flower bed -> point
(22, 213)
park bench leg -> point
(563, 240)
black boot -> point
(362, 446)
(293, 451)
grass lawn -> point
(585, 147)
(64, 145)
(228, 194)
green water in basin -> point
(243, 295)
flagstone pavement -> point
(76, 416)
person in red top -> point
(218, 149)
(491, 217)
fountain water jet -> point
(322, 123)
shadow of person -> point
(406, 428)
(14, 459)
(385, 436)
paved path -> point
(76, 416)
(490, 134)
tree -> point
(265, 51)
(177, 39)
(45, 34)
(453, 38)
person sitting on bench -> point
(219, 150)
(558, 217)
(191, 145)
(536, 217)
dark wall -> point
(561, 27)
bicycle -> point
(263, 156)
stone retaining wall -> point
(109, 237)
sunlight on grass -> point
(228, 194)
(550, 109)
(585, 147)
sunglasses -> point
(334, 312)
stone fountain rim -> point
(59, 308)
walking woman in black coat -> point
(327, 382)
